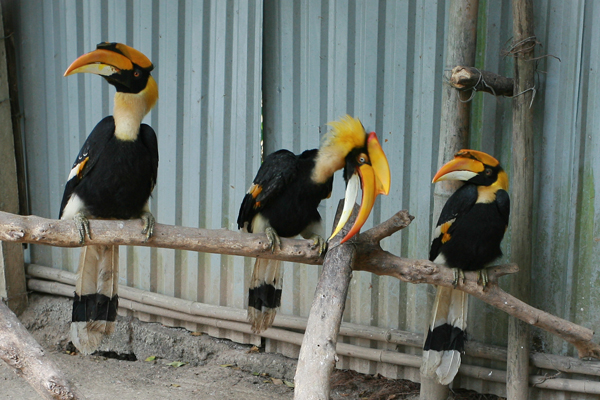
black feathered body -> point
(284, 197)
(111, 178)
(289, 198)
(474, 237)
(118, 176)
(468, 236)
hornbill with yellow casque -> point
(284, 196)
(467, 238)
(112, 178)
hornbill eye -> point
(362, 159)
(136, 73)
(488, 171)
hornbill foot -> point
(482, 276)
(149, 221)
(459, 275)
(83, 227)
(320, 242)
(273, 239)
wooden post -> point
(12, 267)
(517, 386)
(318, 355)
(454, 129)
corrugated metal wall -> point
(314, 61)
(377, 62)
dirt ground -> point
(150, 361)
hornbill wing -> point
(88, 156)
(503, 203)
(274, 175)
(278, 170)
(445, 337)
(148, 137)
(457, 205)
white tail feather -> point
(267, 272)
(98, 273)
(108, 274)
(451, 307)
(441, 306)
(457, 312)
(430, 362)
(450, 362)
(85, 340)
(87, 273)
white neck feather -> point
(128, 112)
(329, 159)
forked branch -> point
(369, 257)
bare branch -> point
(369, 257)
(20, 351)
(33, 229)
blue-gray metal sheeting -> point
(207, 58)
(221, 64)
(334, 58)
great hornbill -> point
(285, 194)
(112, 178)
(467, 238)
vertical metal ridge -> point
(317, 60)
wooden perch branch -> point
(369, 257)
(33, 229)
(470, 78)
(20, 351)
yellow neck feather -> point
(487, 194)
(345, 135)
(131, 108)
(329, 160)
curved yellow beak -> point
(374, 180)
(459, 168)
(100, 62)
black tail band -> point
(264, 296)
(445, 337)
(94, 307)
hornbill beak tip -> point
(374, 178)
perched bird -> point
(467, 238)
(285, 194)
(112, 178)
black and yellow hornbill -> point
(285, 194)
(112, 178)
(467, 238)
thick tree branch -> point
(33, 229)
(318, 352)
(369, 257)
(470, 78)
(20, 351)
